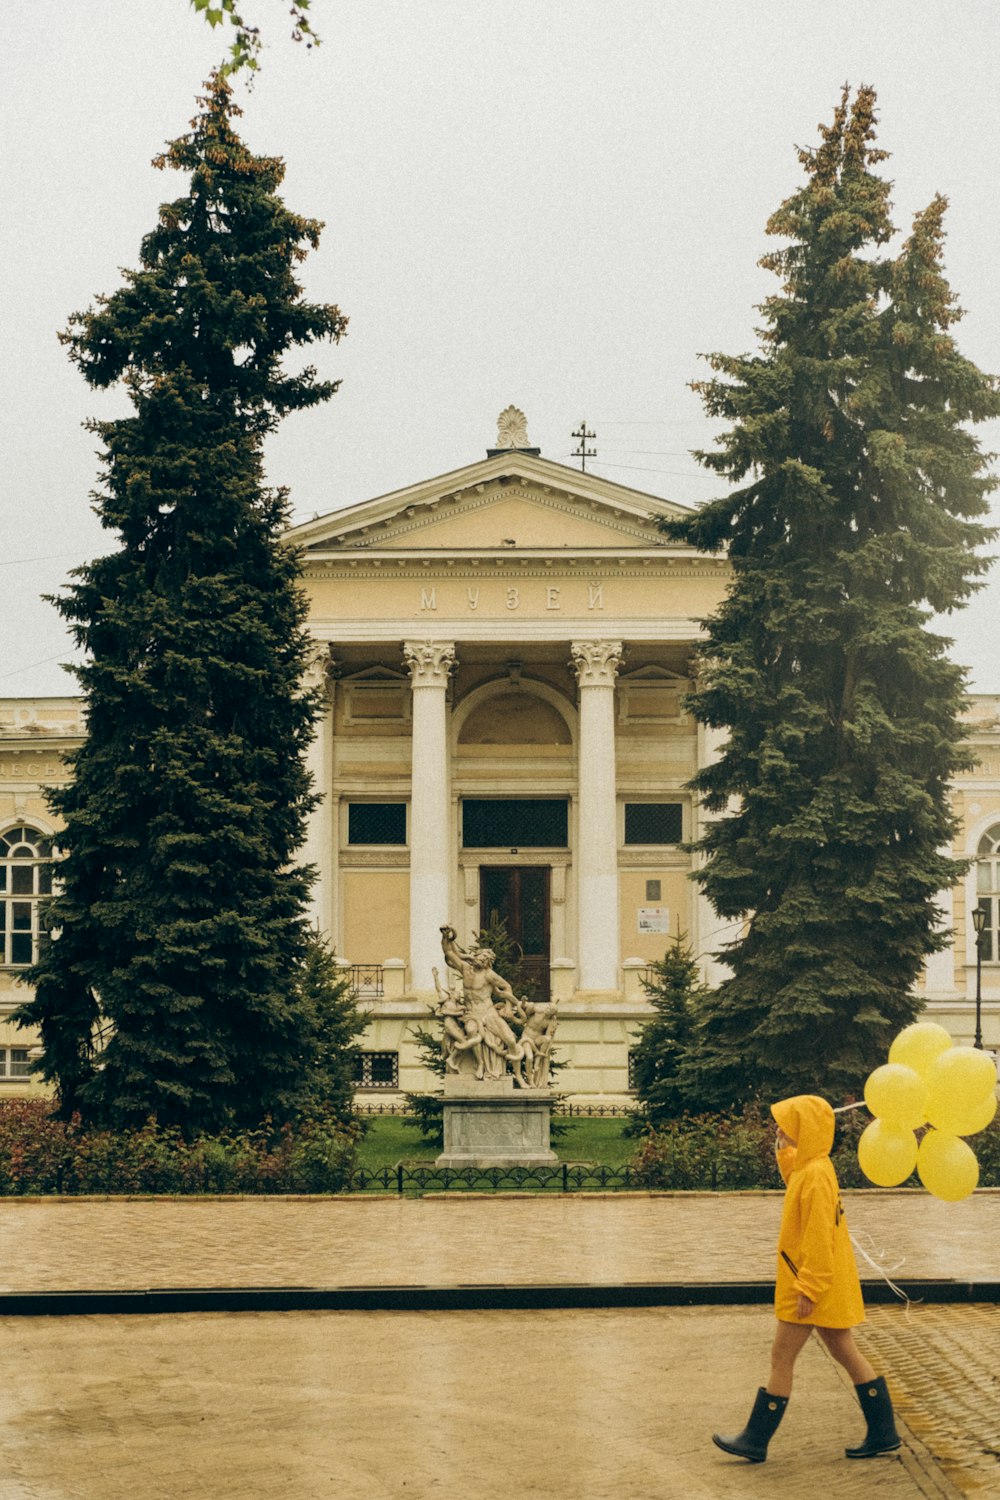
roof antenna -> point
(583, 452)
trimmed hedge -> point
(40, 1154)
(733, 1151)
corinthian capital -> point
(596, 663)
(429, 663)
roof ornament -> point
(512, 434)
(512, 429)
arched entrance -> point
(514, 750)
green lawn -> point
(389, 1140)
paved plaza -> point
(596, 1404)
(462, 1238)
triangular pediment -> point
(509, 501)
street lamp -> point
(979, 923)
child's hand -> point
(806, 1307)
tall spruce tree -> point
(854, 519)
(174, 983)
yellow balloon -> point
(918, 1045)
(970, 1119)
(887, 1153)
(897, 1095)
(962, 1076)
(947, 1166)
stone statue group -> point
(484, 1020)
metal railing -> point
(401, 1110)
(367, 981)
(426, 1177)
(376, 1070)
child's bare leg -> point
(840, 1342)
(789, 1340)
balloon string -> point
(859, 1105)
(881, 1269)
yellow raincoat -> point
(815, 1256)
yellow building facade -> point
(503, 653)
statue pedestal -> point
(492, 1124)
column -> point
(320, 847)
(711, 932)
(596, 664)
(939, 968)
(430, 664)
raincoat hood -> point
(808, 1121)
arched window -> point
(988, 891)
(25, 888)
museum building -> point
(504, 652)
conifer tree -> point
(329, 1078)
(676, 993)
(173, 985)
(855, 517)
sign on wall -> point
(653, 919)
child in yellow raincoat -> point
(817, 1285)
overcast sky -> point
(552, 203)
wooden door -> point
(518, 895)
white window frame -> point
(7, 1064)
(986, 891)
(42, 874)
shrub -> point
(425, 1114)
(731, 1151)
(726, 1151)
(41, 1154)
(986, 1145)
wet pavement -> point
(464, 1239)
(596, 1404)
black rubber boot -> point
(876, 1404)
(752, 1442)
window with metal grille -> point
(988, 891)
(367, 980)
(653, 822)
(376, 1070)
(25, 889)
(522, 823)
(631, 1068)
(376, 823)
(14, 1062)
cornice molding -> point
(654, 857)
(375, 859)
(342, 571)
(382, 630)
(50, 745)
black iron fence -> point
(426, 1177)
(564, 1109)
